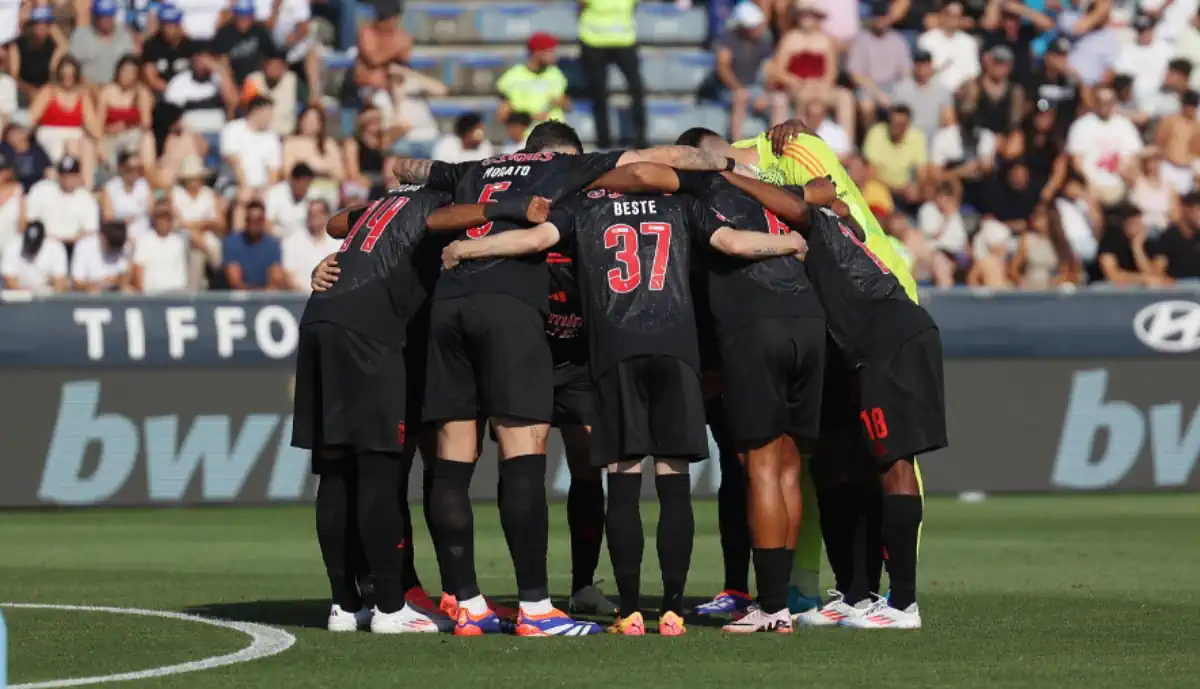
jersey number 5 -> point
(624, 239)
(376, 220)
(485, 196)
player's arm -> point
(679, 157)
(339, 225)
(434, 173)
(752, 245)
(789, 207)
(511, 243)
(461, 216)
(650, 178)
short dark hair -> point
(255, 205)
(1192, 198)
(516, 117)
(552, 134)
(258, 102)
(900, 109)
(696, 136)
(466, 122)
(1180, 65)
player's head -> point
(705, 139)
(554, 136)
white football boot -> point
(345, 621)
(832, 613)
(408, 620)
(881, 615)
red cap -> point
(541, 41)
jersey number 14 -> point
(376, 220)
(626, 277)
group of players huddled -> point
(628, 298)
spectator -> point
(999, 104)
(515, 128)
(133, 15)
(243, 43)
(290, 22)
(537, 86)
(1043, 258)
(1123, 259)
(100, 262)
(741, 52)
(160, 258)
(1083, 223)
(65, 114)
(875, 193)
(303, 250)
(898, 154)
(201, 18)
(878, 62)
(1175, 86)
(168, 52)
(280, 84)
(838, 139)
(805, 67)
(64, 205)
(1009, 199)
(410, 115)
(1177, 136)
(35, 55)
(1145, 60)
(29, 161)
(963, 151)
(1177, 251)
(251, 150)
(252, 256)
(1055, 84)
(9, 101)
(165, 148)
(12, 204)
(366, 153)
(311, 145)
(125, 107)
(126, 197)
(910, 245)
(380, 43)
(1094, 50)
(942, 224)
(1152, 195)
(925, 98)
(205, 95)
(468, 142)
(955, 53)
(37, 263)
(197, 209)
(100, 44)
(287, 203)
(1100, 143)
(841, 21)
(1041, 149)
(608, 35)
(1014, 25)
(1187, 47)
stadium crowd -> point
(181, 147)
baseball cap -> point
(922, 56)
(170, 14)
(104, 8)
(747, 15)
(35, 234)
(541, 41)
(1059, 46)
(1001, 53)
(42, 14)
(243, 8)
(68, 166)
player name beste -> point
(639, 207)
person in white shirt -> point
(9, 102)
(1146, 61)
(291, 27)
(63, 205)
(204, 92)
(197, 209)
(467, 143)
(100, 262)
(955, 53)
(127, 196)
(1099, 144)
(252, 149)
(37, 263)
(287, 203)
(830, 131)
(160, 258)
(941, 221)
(302, 251)
(201, 17)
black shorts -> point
(773, 373)
(416, 359)
(488, 357)
(891, 408)
(572, 396)
(649, 406)
(350, 392)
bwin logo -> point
(1169, 326)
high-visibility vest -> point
(608, 24)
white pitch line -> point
(265, 642)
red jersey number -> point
(774, 224)
(376, 220)
(485, 196)
(628, 276)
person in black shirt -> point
(889, 369)
(36, 52)
(1123, 258)
(168, 52)
(1054, 84)
(1179, 246)
(1015, 25)
(243, 42)
(489, 358)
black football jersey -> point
(517, 175)
(742, 291)
(632, 260)
(385, 276)
(564, 322)
(867, 310)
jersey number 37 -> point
(624, 238)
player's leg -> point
(626, 542)
(337, 536)
(675, 537)
(731, 520)
(585, 521)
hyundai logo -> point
(1169, 326)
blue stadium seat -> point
(429, 66)
(516, 23)
(688, 70)
(441, 23)
(477, 73)
(662, 23)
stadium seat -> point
(516, 23)
(441, 23)
(476, 73)
(667, 24)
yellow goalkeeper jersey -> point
(807, 157)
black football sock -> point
(445, 571)
(525, 518)
(839, 508)
(381, 526)
(676, 530)
(626, 542)
(901, 523)
(772, 568)
(733, 516)
(455, 523)
(337, 535)
(408, 576)
(585, 520)
(872, 538)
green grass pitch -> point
(1054, 592)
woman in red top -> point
(125, 107)
(805, 68)
(65, 117)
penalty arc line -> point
(265, 642)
